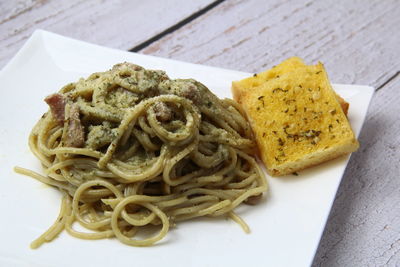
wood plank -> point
(355, 39)
(118, 24)
(364, 225)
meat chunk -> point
(127, 65)
(57, 103)
(163, 112)
(75, 136)
(191, 92)
(253, 200)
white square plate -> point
(285, 229)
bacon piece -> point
(75, 136)
(128, 65)
(57, 103)
(191, 92)
(163, 112)
(253, 200)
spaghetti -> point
(130, 147)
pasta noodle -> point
(130, 147)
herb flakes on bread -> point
(297, 118)
(290, 64)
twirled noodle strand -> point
(148, 150)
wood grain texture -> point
(364, 224)
(359, 44)
(118, 24)
(357, 40)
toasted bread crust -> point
(297, 118)
(240, 87)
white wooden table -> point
(359, 42)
